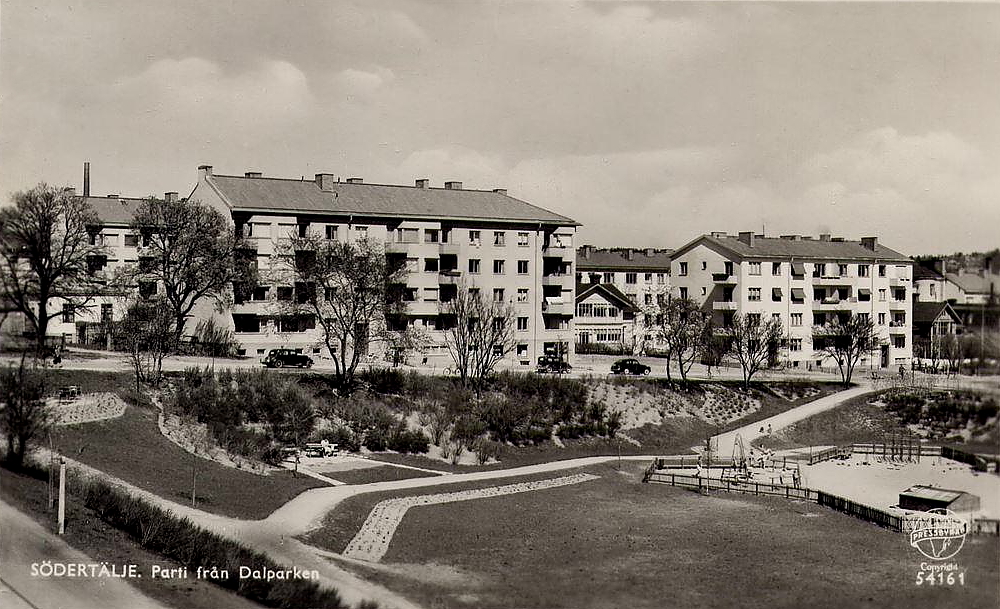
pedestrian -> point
(902, 372)
(768, 429)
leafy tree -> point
(683, 331)
(480, 334)
(24, 415)
(193, 252)
(345, 288)
(752, 341)
(846, 341)
(46, 253)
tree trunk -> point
(41, 326)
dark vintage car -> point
(629, 366)
(548, 363)
(279, 358)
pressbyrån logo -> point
(939, 534)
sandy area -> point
(879, 484)
(339, 463)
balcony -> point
(831, 280)
(450, 277)
(449, 248)
(557, 308)
(397, 247)
(899, 282)
(898, 326)
(828, 304)
(423, 308)
(724, 278)
(724, 305)
(563, 280)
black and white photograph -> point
(499, 304)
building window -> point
(474, 238)
(795, 344)
(498, 267)
(704, 291)
(704, 265)
(522, 323)
(776, 317)
(648, 300)
(331, 233)
(131, 240)
(863, 270)
(684, 293)
(932, 290)
(881, 270)
(67, 313)
(430, 265)
(431, 235)
(522, 267)
(585, 309)
(609, 277)
(661, 278)
(430, 294)
(474, 265)
(754, 268)
(842, 270)
(522, 350)
(683, 270)
(864, 295)
(795, 319)
(865, 317)
(630, 278)
(753, 294)
(881, 295)
(522, 239)
(499, 238)
(284, 292)
(361, 232)
(473, 293)
(522, 294)
(776, 268)
(260, 293)
(727, 267)
(648, 278)
(818, 269)
(753, 319)
(497, 294)
(245, 323)
(881, 319)
(899, 341)
(633, 297)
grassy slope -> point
(132, 448)
(102, 542)
(616, 542)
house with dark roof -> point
(606, 320)
(932, 322)
(804, 282)
(450, 238)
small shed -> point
(924, 498)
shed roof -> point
(932, 493)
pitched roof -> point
(922, 272)
(931, 492)
(928, 312)
(808, 249)
(114, 210)
(305, 196)
(591, 259)
(609, 291)
(974, 283)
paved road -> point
(25, 542)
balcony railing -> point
(557, 308)
(560, 279)
(723, 277)
(393, 247)
(724, 305)
(450, 277)
(449, 248)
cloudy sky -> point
(649, 123)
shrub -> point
(486, 449)
(406, 441)
(376, 440)
(384, 380)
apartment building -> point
(450, 238)
(642, 276)
(803, 282)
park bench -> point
(320, 449)
(69, 393)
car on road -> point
(280, 358)
(555, 365)
(629, 366)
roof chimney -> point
(649, 252)
(252, 174)
(629, 253)
(869, 242)
(170, 197)
(585, 251)
(824, 236)
(791, 237)
(355, 181)
(501, 191)
(325, 181)
(86, 178)
(747, 238)
(453, 185)
(939, 265)
(423, 183)
(718, 233)
(204, 171)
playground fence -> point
(984, 526)
(858, 510)
(731, 486)
(976, 461)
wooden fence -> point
(835, 452)
(984, 526)
(864, 512)
(979, 463)
(731, 486)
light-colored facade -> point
(606, 319)
(803, 282)
(640, 275)
(449, 238)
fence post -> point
(62, 495)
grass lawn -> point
(617, 542)
(102, 542)
(383, 473)
(132, 448)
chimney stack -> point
(86, 178)
(747, 238)
(869, 243)
(204, 171)
(325, 181)
(170, 197)
(355, 181)
(718, 233)
(824, 236)
(423, 183)
(585, 251)
(253, 174)
(939, 265)
(453, 185)
(649, 252)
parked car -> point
(629, 366)
(548, 363)
(278, 358)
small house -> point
(925, 498)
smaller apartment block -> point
(637, 276)
(449, 239)
(804, 282)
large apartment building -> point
(804, 282)
(634, 279)
(450, 238)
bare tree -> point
(753, 342)
(345, 289)
(147, 335)
(847, 341)
(192, 252)
(24, 415)
(480, 334)
(401, 343)
(682, 329)
(45, 253)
